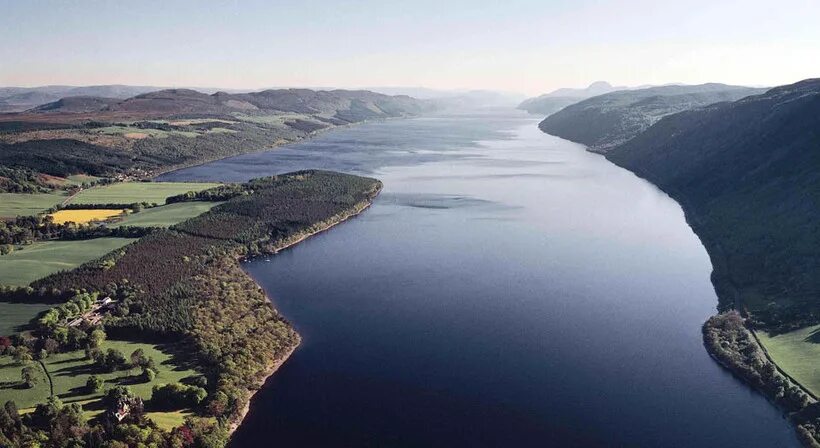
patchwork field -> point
(131, 192)
(22, 204)
(796, 353)
(166, 215)
(15, 315)
(84, 216)
(69, 372)
(37, 260)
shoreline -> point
(729, 301)
(277, 144)
(270, 372)
(356, 210)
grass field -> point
(797, 355)
(134, 132)
(78, 179)
(14, 204)
(15, 315)
(131, 192)
(166, 215)
(69, 372)
(37, 260)
(84, 216)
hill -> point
(748, 176)
(153, 132)
(16, 99)
(554, 101)
(77, 104)
(605, 121)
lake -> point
(507, 288)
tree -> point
(29, 376)
(138, 358)
(148, 374)
(23, 355)
(97, 337)
(42, 354)
(93, 384)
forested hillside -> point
(748, 175)
(605, 121)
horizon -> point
(254, 45)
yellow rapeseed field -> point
(84, 216)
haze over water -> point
(507, 288)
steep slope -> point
(748, 175)
(552, 102)
(605, 121)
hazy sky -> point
(514, 45)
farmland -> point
(26, 204)
(796, 353)
(15, 315)
(166, 215)
(132, 192)
(37, 260)
(84, 216)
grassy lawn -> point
(131, 192)
(69, 372)
(166, 215)
(797, 355)
(14, 204)
(38, 260)
(15, 315)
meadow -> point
(166, 215)
(137, 133)
(132, 192)
(69, 372)
(796, 352)
(24, 204)
(40, 259)
(15, 315)
(84, 216)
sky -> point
(524, 46)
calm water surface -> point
(506, 289)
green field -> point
(155, 133)
(797, 353)
(15, 315)
(14, 204)
(69, 372)
(166, 215)
(131, 192)
(38, 260)
(78, 179)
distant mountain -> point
(22, 98)
(77, 104)
(605, 121)
(342, 106)
(554, 101)
(747, 173)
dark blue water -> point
(506, 289)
